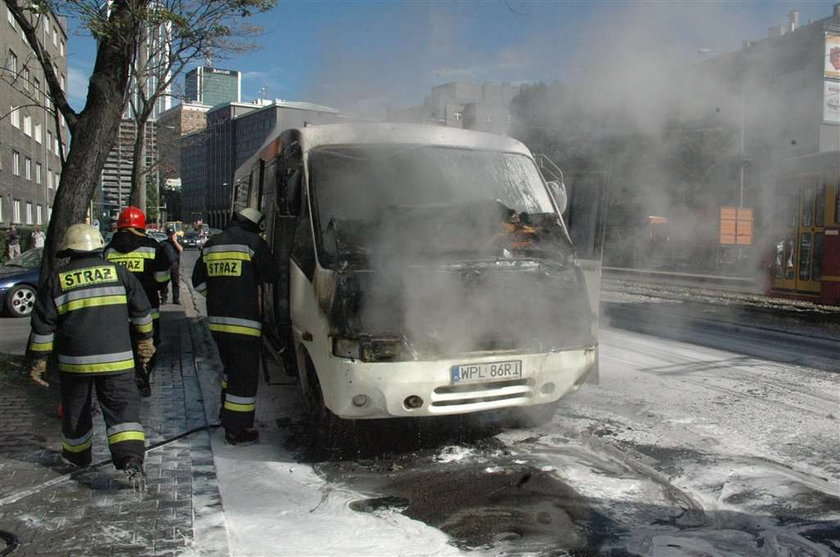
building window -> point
(61, 48)
(1, 209)
(15, 163)
(49, 141)
(28, 212)
(38, 136)
(49, 179)
(16, 211)
(55, 35)
(57, 179)
(458, 116)
(10, 17)
(49, 212)
(27, 168)
(57, 152)
(27, 126)
(26, 79)
(37, 93)
(39, 214)
(11, 63)
(14, 116)
(62, 83)
(38, 169)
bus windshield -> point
(386, 198)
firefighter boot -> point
(135, 475)
(244, 437)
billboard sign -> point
(831, 102)
(832, 56)
(736, 226)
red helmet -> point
(132, 217)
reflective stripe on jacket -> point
(144, 257)
(85, 312)
(231, 267)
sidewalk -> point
(55, 509)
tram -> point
(806, 239)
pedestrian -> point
(13, 242)
(38, 237)
(149, 264)
(172, 248)
(85, 311)
(229, 272)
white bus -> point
(427, 271)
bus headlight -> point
(372, 349)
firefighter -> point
(85, 311)
(232, 266)
(147, 261)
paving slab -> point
(56, 509)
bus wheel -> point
(329, 431)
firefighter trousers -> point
(241, 359)
(120, 402)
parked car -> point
(191, 240)
(156, 235)
(19, 282)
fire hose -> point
(12, 542)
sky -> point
(364, 55)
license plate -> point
(482, 373)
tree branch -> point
(56, 92)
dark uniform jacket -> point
(83, 311)
(146, 260)
(231, 266)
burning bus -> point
(426, 271)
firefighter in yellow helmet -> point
(232, 266)
(84, 312)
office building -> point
(212, 86)
(115, 182)
(30, 164)
(235, 131)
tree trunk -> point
(138, 166)
(95, 130)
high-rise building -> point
(30, 164)
(152, 63)
(115, 182)
(212, 86)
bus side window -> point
(303, 250)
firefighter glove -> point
(145, 350)
(36, 372)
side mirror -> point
(294, 192)
(558, 192)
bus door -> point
(586, 220)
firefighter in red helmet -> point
(146, 260)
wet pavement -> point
(55, 509)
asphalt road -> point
(14, 332)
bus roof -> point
(414, 134)
(372, 133)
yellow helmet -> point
(82, 237)
(251, 215)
